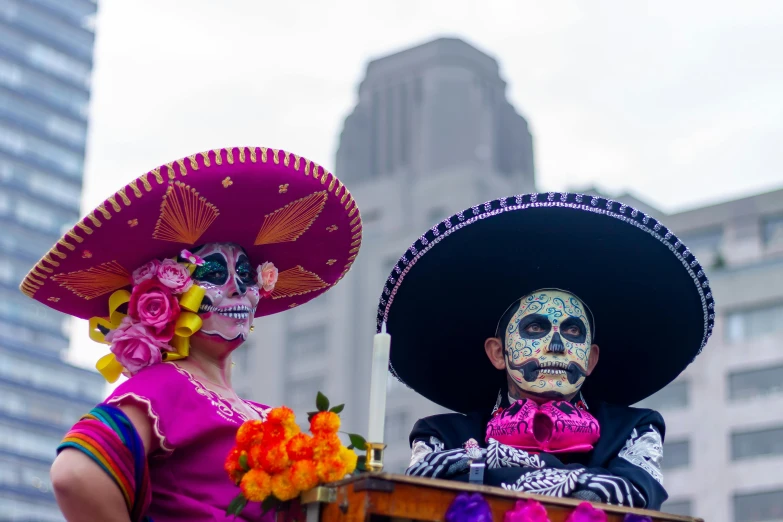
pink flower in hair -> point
(134, 346)
(191, 257)
(174, 276)
(154, 306)
(267, 277)
(146, 272)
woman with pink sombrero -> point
(170, 271)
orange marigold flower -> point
(233, 466)
(256, 485)
(300, 447)
(273, 459)
(330, 469)
(291, 430)
(325, 422)
(273, 434)
(282, 488)
(349, 458)
(254, 456)
(282, 415)
(250, 432)
(304, 475)
(325, 445)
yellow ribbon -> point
(116, 300)
(109, 367)
(191, 300)
(188, 323)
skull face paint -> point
(547, 344)
(232, 294)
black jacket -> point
(623, 467)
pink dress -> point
(193, 432)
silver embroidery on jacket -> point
(645, 451)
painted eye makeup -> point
(573, 329)
(534, 326)
(213, 271)
(245, 270)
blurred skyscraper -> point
(723, 452)
(46, 51)
(432, 133)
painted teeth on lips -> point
(234, 312)
(553, 368)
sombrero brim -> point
(649, 296)
(278, 206)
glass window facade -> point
(773, 230)
(755, 383)
(45, 70)
(51, 376)
(764, 506)
(757, 443)
(676, 454)
(673, 397)
(753, 323)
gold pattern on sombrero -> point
(283, 188)
(144, 185)
(290, 222)
(95, 281)
(297, 281)
(184, 215)
(227, 182)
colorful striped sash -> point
(108, 437)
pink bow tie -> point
(552, 427)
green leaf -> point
(357, 441)
(243, 463)
(237, 505)
(321, 402)
(351, 447)
(268, 504)
(310, 415)
(361, 463)
(338, 409)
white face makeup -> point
(547, 344)
(232, 294)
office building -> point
(723, 452)
(431, 134)
(46, 51)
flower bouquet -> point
(274, 462)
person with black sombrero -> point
(540, 319)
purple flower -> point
(469, 508)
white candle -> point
(380, 368)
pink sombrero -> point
(278, 206)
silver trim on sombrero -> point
(594, 204)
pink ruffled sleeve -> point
(161, 392)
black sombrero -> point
(650, 298)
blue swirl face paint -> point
(548, 343)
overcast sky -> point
(678, 102)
